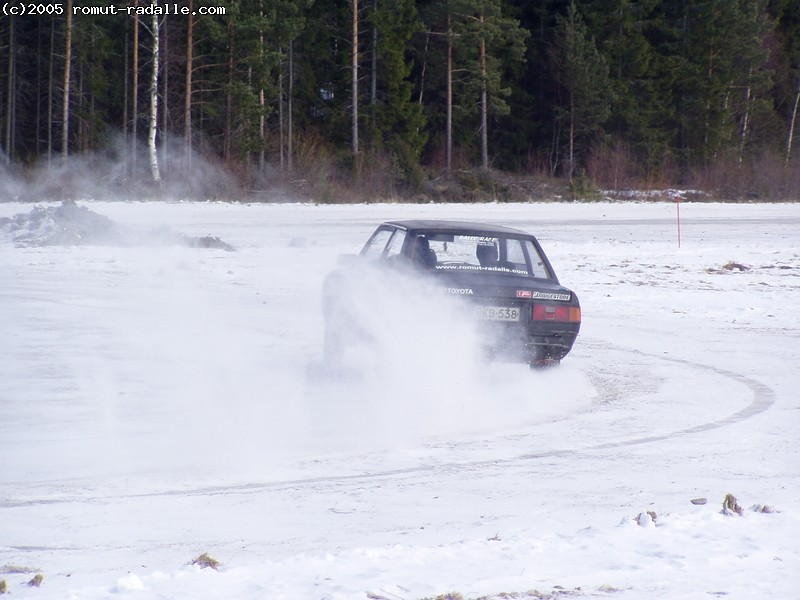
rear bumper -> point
(530, 343)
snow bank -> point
(69, 224)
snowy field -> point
(161, 398)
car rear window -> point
(487, 253)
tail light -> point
(557, 313)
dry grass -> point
(558, 593)
(16, 570)
(205, 561)
(764, 178)
(730, 506)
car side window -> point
(522, 256)
(373, 249)
(396, 243)
(538, 268)
(515, 256)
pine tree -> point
(396, 121)
(583, 79)
(701, 82)
(712, 57)
(621, 29)
(527, 131)
(481, 34)
(288, 21)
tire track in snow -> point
(763, 397)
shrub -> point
(581, 187)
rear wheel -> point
(343, 336)
(544, 363)
(543, 357)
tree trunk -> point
(571, 165)
(9, 150)
(187, 100)
(448, 160)
(555, 147)
(424, 68)
(262, 123)
(67, 72)
(289, 104)
(125, 92)
(80, 136)
(227, 142)
(164, 132)
(484, 103)
(135, 90)
(792, 123)
(281, 114)
(261, 130)
(373, 92)
(354, 82)
(151, 136)
(745, 123)
(40, 54)
(50, 94)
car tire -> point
(540, 364)
(543, 358)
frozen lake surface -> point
(161, 397)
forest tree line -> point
(620, 93)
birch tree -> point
(790, 24)
(718, 62)
(151, 133)
(792, 123)
(751, 77)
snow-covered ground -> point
(161, 399)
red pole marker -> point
(678, 208)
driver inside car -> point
(487, 255)
(422, 256)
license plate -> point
(498, 313)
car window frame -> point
(379, 254)
(527, 242)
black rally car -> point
(502, 274)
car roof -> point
(445, 226)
